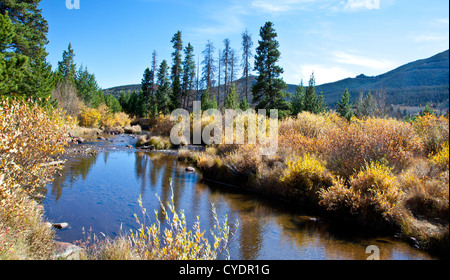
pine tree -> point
(313, 103)
(269, 92)
(87, 87)
(247, 45)
(209, 67)
(427, 110)
(297, 102)
(12, 65)
(146, 87)
(164, 90)
(175, 95)
(188, 74)
(232, 100)
(344, 108)
(244, 104)
(205, 100)
(67, 67)
(26, 51)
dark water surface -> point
(101, 193)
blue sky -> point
(336, 39)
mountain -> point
(413, 84)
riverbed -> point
(97, 193)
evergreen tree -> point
(112, 103)
(175, 95)
(269, 92)
(188, 74)
(313, 103)
(67, 66)
(344, 108)
(12, 65)
(87, 88)
(298, 100)
(365, 107)
(244, 104)
(25, 51)
(209, 66)
(163, 92)
(146, 84)
(232, 100)
(247, 45)
(205, 100)
(427, 110)
(225, 60)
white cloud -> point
(280, 6)
(355, 5)
(430, 38)
(322, 73)
(353, 59)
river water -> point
(99, 194)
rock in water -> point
(190, 169)
(60, 225)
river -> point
(99, 195)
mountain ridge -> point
(413, 84)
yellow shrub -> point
(306, 175)
(441, 159)
(372, 139)
(90, 117)
(163, 126)
(371, 195)
(122, 119)
(432, 130)
(29, 137)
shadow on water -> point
(101, 192)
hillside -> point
(413, 84)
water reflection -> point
(102, 191)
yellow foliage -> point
(90, 117)
(371, 195)
(441, 159)
(306, 175)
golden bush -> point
(372, 139)
(122, 119)
(90, 117)
(29, 138)
(306, 175)
(433, 131)
(441, 158)
(371, 195)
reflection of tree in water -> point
(160, 169)
(71, 172)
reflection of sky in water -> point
(102, 193)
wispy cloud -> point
(430, 38)
(356, 5)
(281, 6)
(355, 59)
